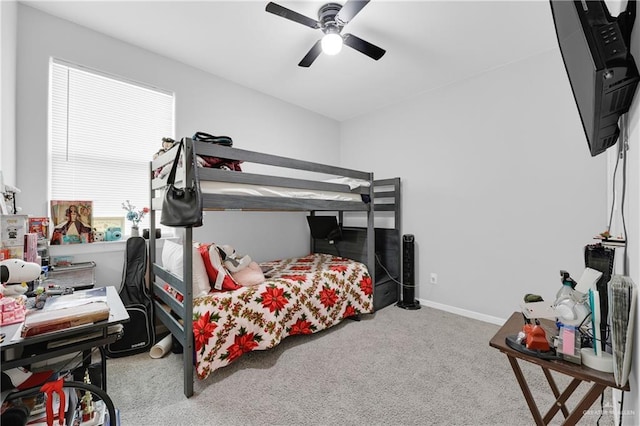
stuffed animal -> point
(232, 260)
(251, 275)
(13, 290)
(244, 271)
(167, 144)
(14, 275)
(17, 271)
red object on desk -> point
(536, 338)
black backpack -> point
(139, 331)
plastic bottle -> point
(569, 305)
(565, 291)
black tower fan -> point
(408, 274)
(601, 259)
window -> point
(103, 132)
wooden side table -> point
(581, 374)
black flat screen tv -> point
(602, 72)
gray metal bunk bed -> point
(367, 244)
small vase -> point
(135, 231)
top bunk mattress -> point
(277, 183)
(229, 188)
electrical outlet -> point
(433, 278)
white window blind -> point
(103, 133)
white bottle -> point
(570, 305)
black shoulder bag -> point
(206, 137)
(182, 206)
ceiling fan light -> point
(331, 44)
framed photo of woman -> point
(71, 222)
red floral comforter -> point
(301, 296)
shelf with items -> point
(29, 406)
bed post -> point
(371, 236)
(152, 235)
(187, 353)
(397, 223)
(187, 247)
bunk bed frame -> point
(385, 271)
(364, 244)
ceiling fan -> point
(332, 17)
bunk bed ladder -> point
(395, 208)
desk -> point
(76, 336)
(580, 374)
(77, 339)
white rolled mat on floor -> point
(161, 348)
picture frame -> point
(13, 228)
(40, 226)
(72, 222)
(108, 228)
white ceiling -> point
(429, 44)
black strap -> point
(172, 174)
(196, 179)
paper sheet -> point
(533, 310)
(77, 298)
(588, 280)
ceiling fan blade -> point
(350, 9)
(371, 50)
(289, 14)
(311, 55)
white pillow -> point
(172, 262)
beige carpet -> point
(395, 367)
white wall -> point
(8, 31)
(203, 103)
(632, 215)
(498, 185)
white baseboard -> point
(463, 312)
